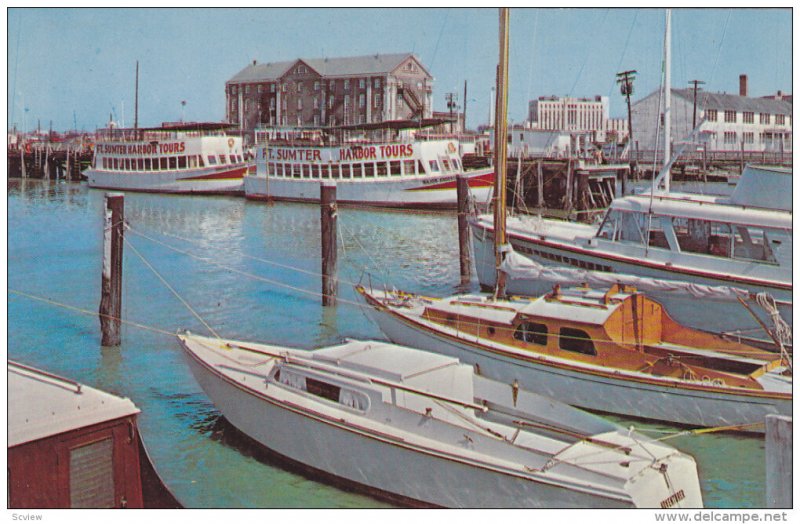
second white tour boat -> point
(405, 171)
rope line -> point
(168, 286)
(89, 312)
(245, 273)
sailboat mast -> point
(500, 151)
(667, 95)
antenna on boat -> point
(500, 154)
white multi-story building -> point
(733, 123)
(577, 115)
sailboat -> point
(614, 351)
(742, 242)
(422, 429)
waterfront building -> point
(330, 91)
(576, 115)
(733, 123)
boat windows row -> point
(692, 235)
(569, 339)
(362, 170)
(167, 163)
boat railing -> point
(319, 366)
(152, 135)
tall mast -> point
(500, 153)
(667, 95)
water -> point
(231, 281)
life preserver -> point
(230, 142)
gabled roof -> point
(722, 102)
(343, 66)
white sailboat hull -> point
(385, 464)
(602, 392)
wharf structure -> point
(330, 92)
(733, 128)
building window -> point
(361, 84)
(730, 116)
(272, 103)
(316, 120)
(247, 89)
(730, 137)
(377, 101)
(330, 101)
(747, 138)
(316, 86)
(780, 120)
(332, 84)
(299, 104)
(299, 87)
(747, 118)
(316, 103)
(233, 90)
(763, 118)
(377, 83)
(361, 100)
(347, 85)
(711, 115)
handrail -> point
(295, 359)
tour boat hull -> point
(430, 192)
(594, 388)
(224, 180)
(358, 453)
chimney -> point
(254, 62)
(742, 85)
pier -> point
(49, 160)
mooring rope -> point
(172, 289)
(89, 312)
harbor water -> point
(248, 271)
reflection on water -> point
(228, 259)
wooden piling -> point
(462, 195)
(111, 288)
(778, 450)
(328, 212)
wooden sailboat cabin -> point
(618, 329)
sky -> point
(76, 67)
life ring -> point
(230, 142)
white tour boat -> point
(406, 171)
(689, 239)
(175, 158)
(426, 430)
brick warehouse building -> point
(330, 91)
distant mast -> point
(667, 96)
(136, 100)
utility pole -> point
(465, 105)
(625, 81)
(694, 112)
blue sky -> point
(78, 65)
